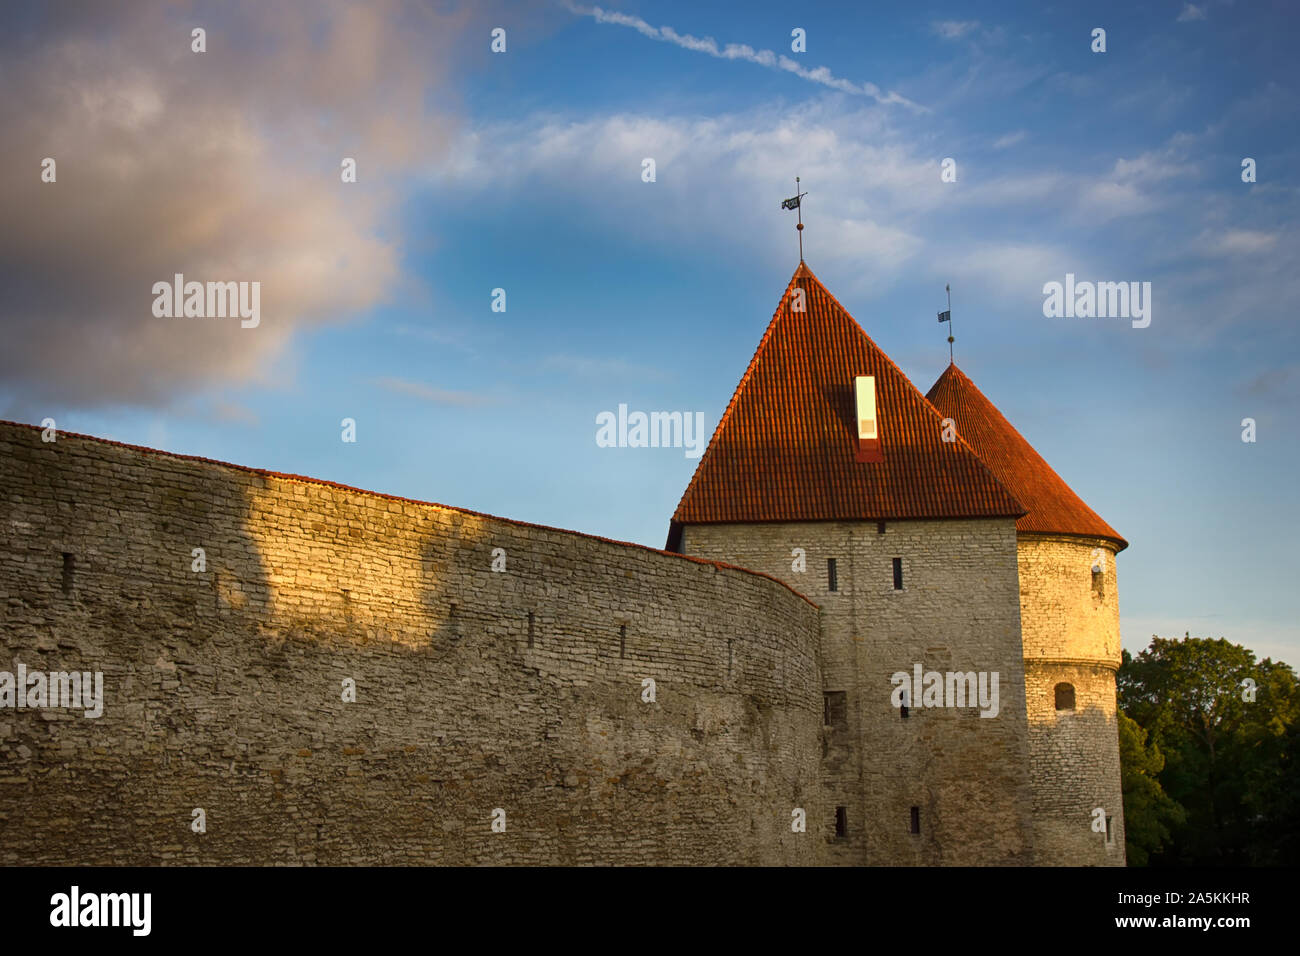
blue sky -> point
(522, 170)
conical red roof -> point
(786, 446)
(1053, 507)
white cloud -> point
(876, 205)
(720, 180)
(1238, 242)
(954, 29)
(741, 51)
(439, 396)
(1103, 201)
(1010, 139)
(1153, 166)
(591, 367)
(1191, 12)
(1017, 269)
(1132, 187)
(222, 166)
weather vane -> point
(794, 203)
(947, 317)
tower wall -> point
(958, 611)
(1070, 626)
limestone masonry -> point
(295, 672)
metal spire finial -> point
(947, 317)
(795, 204)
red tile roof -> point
(785, 447)
(1053, 507)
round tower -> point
(1069, 625)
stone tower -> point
(829, 471)
(1069, 620)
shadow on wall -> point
(343, 678)
(1074, 761)
(102, 572)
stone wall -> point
(1070, 622)
(958, 611)
(1074, 758)
(475, 689)
(1067, 612)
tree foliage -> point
(1149, 813)
(1226, 727)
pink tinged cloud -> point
(223, 166)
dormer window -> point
(864, 391)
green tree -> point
(1149, 814)
(1225, 724)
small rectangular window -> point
(622, 640)
(530, 628)
(1110, 829)
(835, 708)
(832, 579)
(898, 574)
(69, 571)
(841, 822)
(916, 819)
(902, 711)
(880, 527)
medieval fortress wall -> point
(520, 690)
(958, 610)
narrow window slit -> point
(835, 709)
(69, 571)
